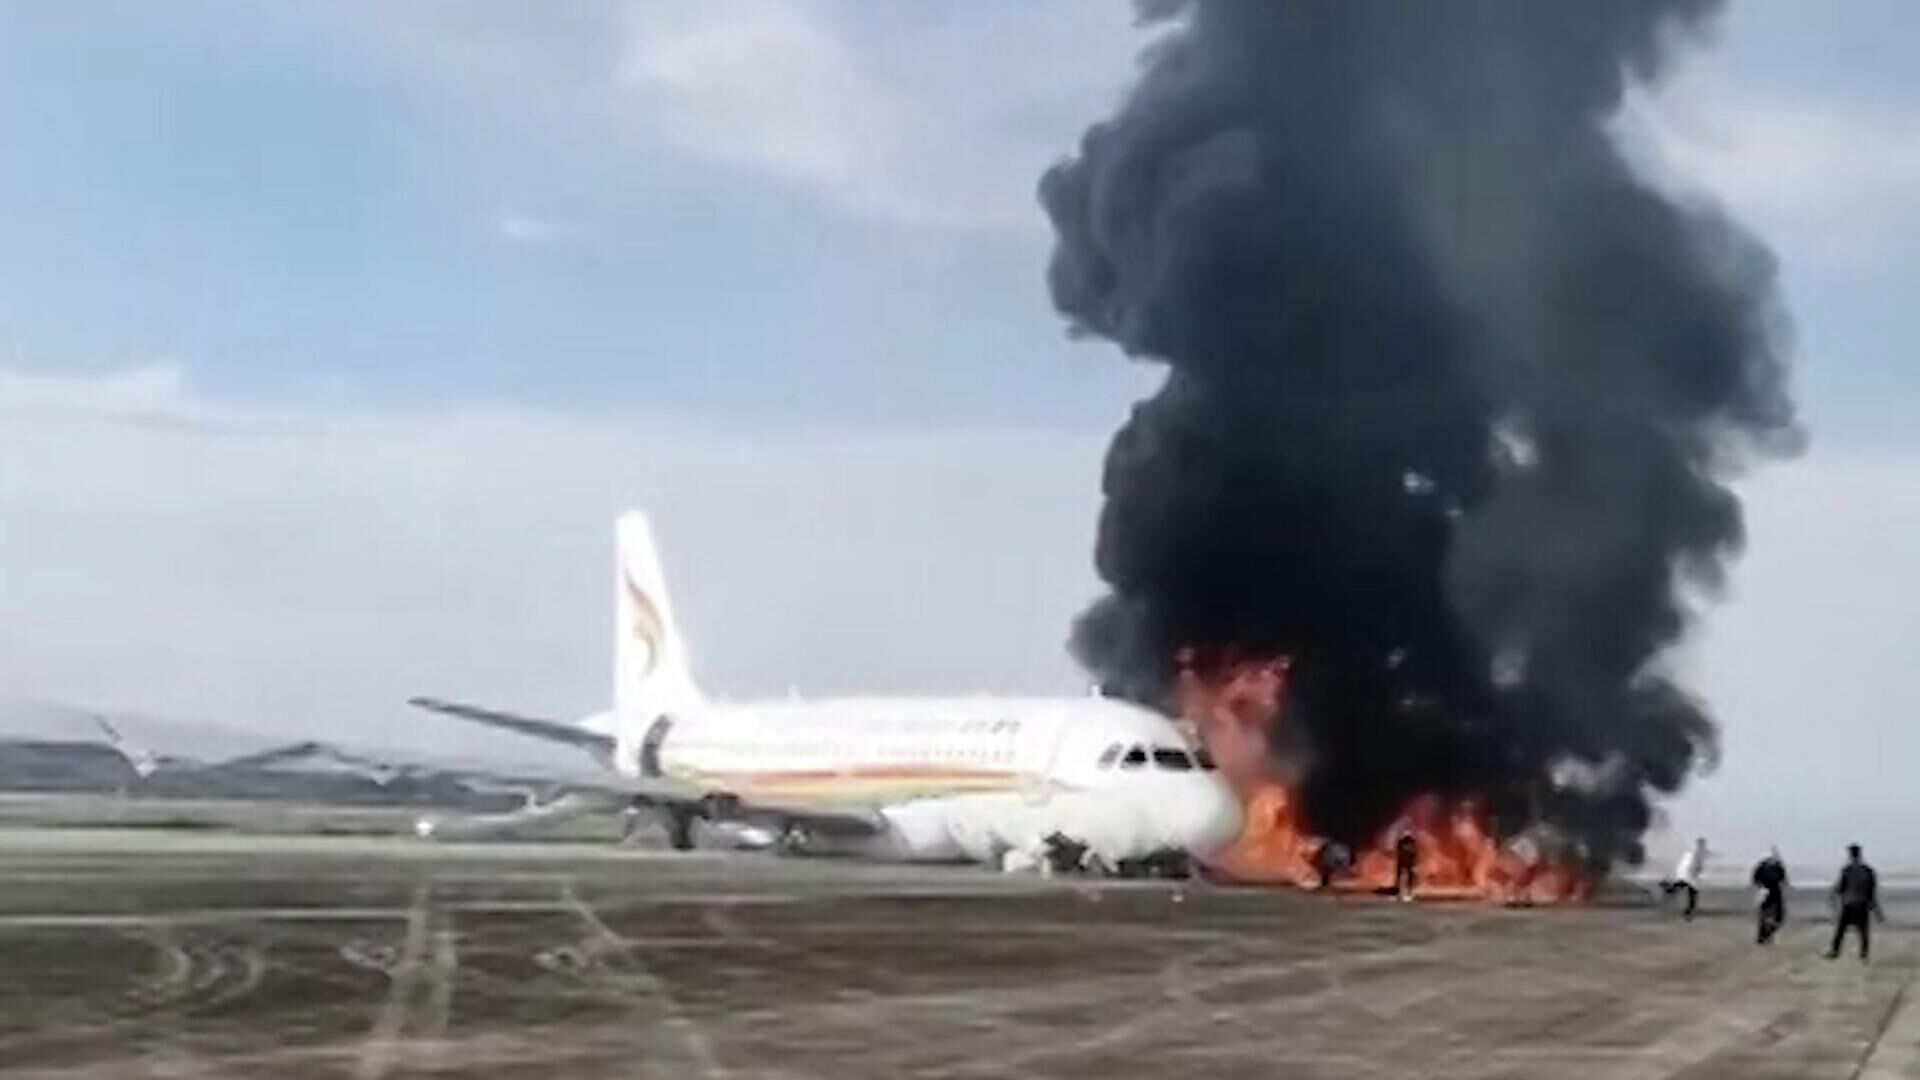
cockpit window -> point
(1110, 755)
(1169, 758)
(1136, 758)
(1203, 758)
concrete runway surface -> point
(128, 954)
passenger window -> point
(1110, 755)
(1136, 758)
(1174, 760)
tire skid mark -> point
(174, 979)
(606, 956)
(1177, 998)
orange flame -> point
(1231, 711)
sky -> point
(334, 335)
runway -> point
(148, 953)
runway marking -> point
(851, 983)
(421, 991)
(378, 1052)
(1453, 969)
(204, 916)
(446, 962)
(1759, 1003)
(604, 941)
(1176, 999)
(1894, 1053)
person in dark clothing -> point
(1331, 859)
(1770, 876)
(1857, 896)
(1406, 858)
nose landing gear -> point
(1062, 854)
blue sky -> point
(333, 334)
(792, 213)
(321, 202)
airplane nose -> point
(1214, 818)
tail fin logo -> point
(646, 627)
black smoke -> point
(1452, 394)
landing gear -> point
(794, 840)
(678, 821)
(1175, 865)
(1062, 854)
(1169, 865)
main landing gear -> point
(1062, 854)
(678, 822)
(1168, 865)
(675, 821)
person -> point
(1331, 859)
(1856, 896)
(1686, 876)
(1406, 858)
(1770, 876)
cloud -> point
(151, 396)
(530, 230)
(1832, 180)
(307, 578)
(783, 87)
(761, 83)
(921, 123)
(154, 389)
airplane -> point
(1024, 783)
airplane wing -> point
(715, 803)
(551, 730)
(213, 760)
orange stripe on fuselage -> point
(861, 780)
(870, 772)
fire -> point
(1458, 855)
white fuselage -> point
(979, 779)
(1003, 780)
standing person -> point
(1770, 876)
(1686, 876)
(1406, 858)
(1857, 895)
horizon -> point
(331, 338)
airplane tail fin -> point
(652, 672)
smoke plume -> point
(1452, 394)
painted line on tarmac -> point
(421, 991)
(198, 917)
(1894, 1053)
